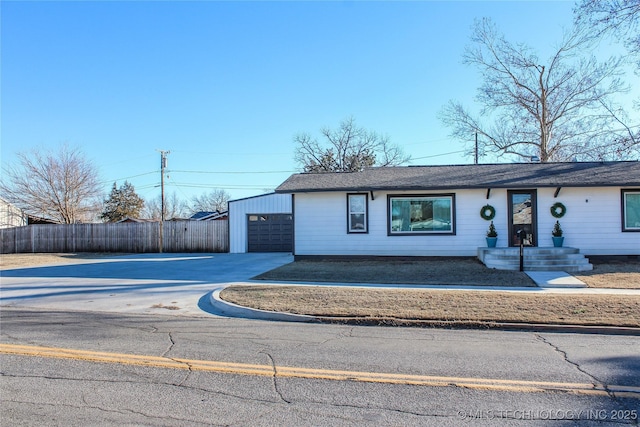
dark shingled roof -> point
(510, 175)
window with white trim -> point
(357, 206)
(630, 210)
(421, 214)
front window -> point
(357, 213)
(428, 214)
(630, 210)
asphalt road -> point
(66, 360)
(124, 369)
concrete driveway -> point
(176, 284)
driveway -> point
(142, 283)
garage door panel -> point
(270, 232)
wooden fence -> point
(177, 236)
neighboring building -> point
(436, 210)
(11, 216)
(38, 220)
(209, 216)
(129, 219)
(261, 224)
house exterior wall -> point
(239, 209)
(592, 223)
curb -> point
(233, 310)
(496, 326)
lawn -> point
(446, 307)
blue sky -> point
(225, 86)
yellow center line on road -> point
(521, 386)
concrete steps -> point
(535, 259)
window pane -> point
(356, 203)
(632, 211)
(357, 213)
(422, 214)
(357, 222)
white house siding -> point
(239, 209)
(321, 229)
(592, 224)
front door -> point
(522, 216)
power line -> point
(438, 155)
(129, 177)
(231, 172)
(231, 186)
(208, 153)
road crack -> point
(172, 343)
(274, 377)
(594, 380)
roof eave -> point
(449, 188)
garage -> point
(261, 224)
(270, 232)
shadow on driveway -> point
(172, 275)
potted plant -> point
(556, 235)
(492, 236)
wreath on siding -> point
(488, 212)
(558, 210)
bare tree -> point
(347, 149)
(621, 18)
(558, 110)
(215, 200)
(61, 185)
(174, 208)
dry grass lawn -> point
(410, 306)
(445, 271)
(8, 261)
(612, 274)
(436, 271)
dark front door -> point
(522, 216)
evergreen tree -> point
(122, 203)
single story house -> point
(261, 224)
(446, 210)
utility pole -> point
(476, 150)
(163, 166)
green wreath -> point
(488, 212)
(558, 210)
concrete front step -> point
(535, 259)
(540, 258)
(527, 250)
